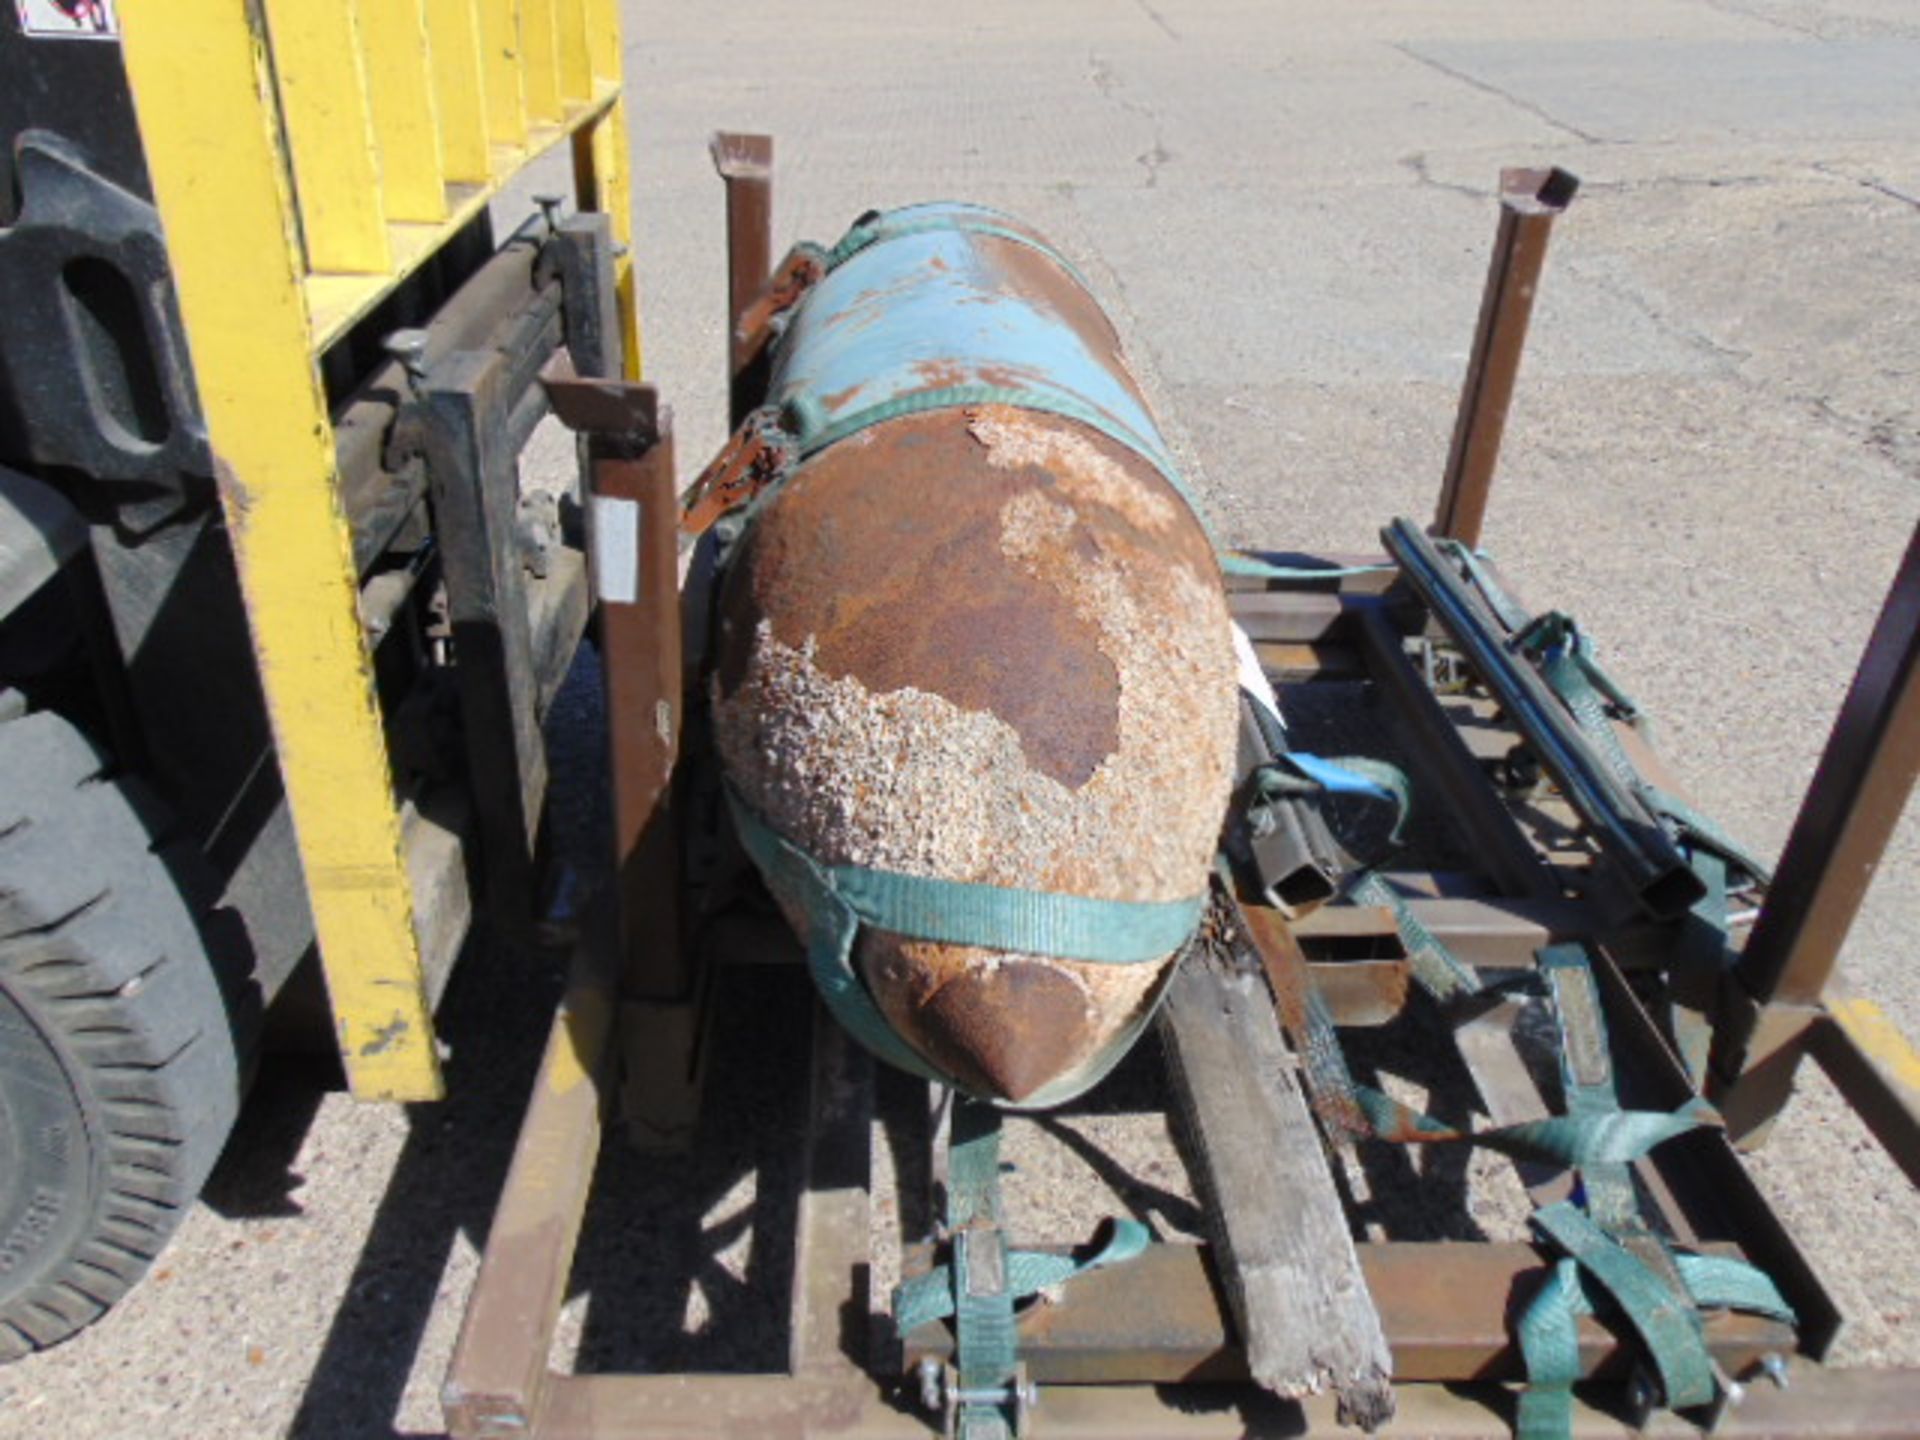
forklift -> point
(280, 616)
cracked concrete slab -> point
(1635, 91)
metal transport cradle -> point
(1685, 985)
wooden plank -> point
(1292, 1277)
(406, 125)
(459, 90)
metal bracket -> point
(745, 163)
(579, 253)
(804, 267)
(754, 457)
(93, 348)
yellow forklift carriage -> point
(280, 618)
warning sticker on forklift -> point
(68, 19)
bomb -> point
(974, 693)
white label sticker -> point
(616, 549)
(68, 19)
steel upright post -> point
(745, 162)
(1530, 201)
(1856, 798)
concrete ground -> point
(1714, 461)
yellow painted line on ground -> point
(1875, 1035)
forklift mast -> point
(280, 616)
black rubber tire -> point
(120, 1046)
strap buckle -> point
(998, 1413)
(804, 267)
(756, 456)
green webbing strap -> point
(987, 1278)
(1720, 1282)
(1550, 1329)
(1028, 922)
(1703, 951)
(1611, 1251)
(1437, 969)
(815, 432)
(1549, 1333)
(1594, 1137)
(1567, 664)
(838, 899)
(831, 926)
(1563, 1140)
(986, 1345)
(1697, 833)
(1294, 774)
(1474, 563)
(1330, 1085)
(929, 1297)
(973, 1165)
(871, 229)
(1565, 649)
(1586, 1075)
(1667, 1323)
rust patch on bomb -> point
(898, 594)
(940, 374)
(1022, 271)
(1014, 438)
(1003, 1024)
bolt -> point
(1640, 1393)
(409, 347)
(1774, 1366)
(1732, 1388)
(550, 208)
(930, 1383)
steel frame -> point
(1106, 1352)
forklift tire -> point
(120, 1071)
